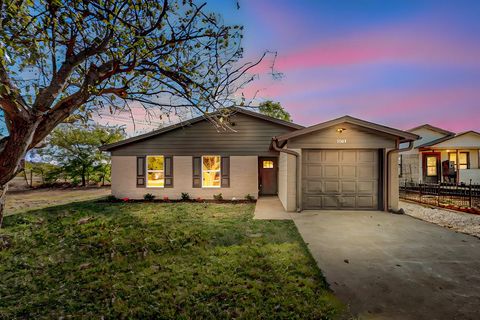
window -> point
(463, 159)
(155, 172)
(267, 164)
(211, 171)
(431, 166)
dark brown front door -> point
(267, 175)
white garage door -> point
(340, 179)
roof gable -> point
(468, 139)
(192, 122)
(403, 135)
(432, 128)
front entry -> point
(431, 167)
(267, 175)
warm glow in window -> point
(155, 172)
(211, 171)
(267, 164)
(431, 166)
(463, 159)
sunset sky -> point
(399, 63)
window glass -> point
(267, 164)
(463, 160)
(211, 171)
(452, 157)
(155, 171)
(431, 166)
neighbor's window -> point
(431, 166)
(155, 172)
(211, 171)
(267, 164)
(463, 159)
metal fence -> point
(442, 195)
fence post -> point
(470, 194)
(420, 192)
(439, 191)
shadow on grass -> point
(141, 260)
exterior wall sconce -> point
(340, 130)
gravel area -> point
(458, 221)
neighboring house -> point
(441, 156)
(346, 163)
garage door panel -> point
(331, 187)
(313, 186)
(349, 171)
(340, 179)
(348, 187)
(331, 171)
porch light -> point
(340, 130)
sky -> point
(399, 63)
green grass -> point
(96, 260)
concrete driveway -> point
(387, 266)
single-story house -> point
(441, 156)
(346, 163)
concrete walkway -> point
(387, 266)
(270, 208)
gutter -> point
(297, 169)
(397, 149)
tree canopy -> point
(59, 58)
(274, 109)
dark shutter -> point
(225, 171)
(168, 164)
(197, 172)
(141, 172)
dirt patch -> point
(19, 201)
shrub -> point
(125, 199)
(111, 198)
(218, 197)
(199, 199)
(185, 196)
(165, 198)
(249, 197)
(149, 197)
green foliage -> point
(218, 197)
(148, 197)
(275, 110)
(111, 198)
(185, 196)
(49, 173)
(249, 197)
(158, 261)
(75, 150)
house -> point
(346, 163)
(441, 156)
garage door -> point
(340, 179)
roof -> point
(433, 128)
(405, 136)
(192, 121)
(443, 139)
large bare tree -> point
(60, 58)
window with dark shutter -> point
(141, 172)
(225, 172)
(168, 171)
(197, 172)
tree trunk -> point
(83, 177)
(3, 192)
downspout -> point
(297, 168)
(397, 149)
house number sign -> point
(341, 140)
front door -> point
(431, 167)
(267, 175)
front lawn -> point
(97, 260)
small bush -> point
(111, 198)
(165, 198)
(149, 197)
(249, 197)
(218, 197)
(185, 196)
(199, 199)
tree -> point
(75, 150)
(274, 109)
(59, 58)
